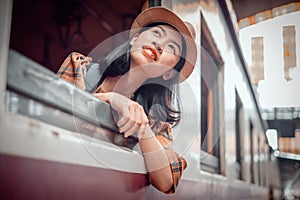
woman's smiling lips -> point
(150, 52)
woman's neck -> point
(125, 84)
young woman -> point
(140, 81)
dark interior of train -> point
(48, 30)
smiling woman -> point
(157, 46)
(140, 81)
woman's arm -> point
(156, 160)
(134, 120)
(163, 175)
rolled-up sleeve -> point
(73, 69)
(177, 162)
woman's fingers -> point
(137, 122)
(125, 117)
(132, 124)
(127, 126)
(132, 116)
(132, 130)
(103, 96)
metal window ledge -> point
(29, 79)
(209, 163)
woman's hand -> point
(132, 117)
(134, 120)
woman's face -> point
(156, 50)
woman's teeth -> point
(150, 53)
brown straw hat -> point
(161, 14)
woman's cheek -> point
(169, 60)
(138, 59)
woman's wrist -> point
(147, 133)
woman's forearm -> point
(157, 162)
(134, 120)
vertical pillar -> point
(5, 21)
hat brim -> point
(161, 14)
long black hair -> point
(160, 98)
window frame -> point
(212, 163)
(5, 19)
(62, 140)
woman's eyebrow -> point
(162, 29)
(164, 32)
(174, 42)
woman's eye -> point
(156, 33)
(172, 47)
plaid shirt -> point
(74, 70)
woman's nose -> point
(158, 47)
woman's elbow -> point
(163, 184)
(166, 186)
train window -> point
(257, 69)
(211, 101)
(33, 89)
(38, 93)
(289, 54)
